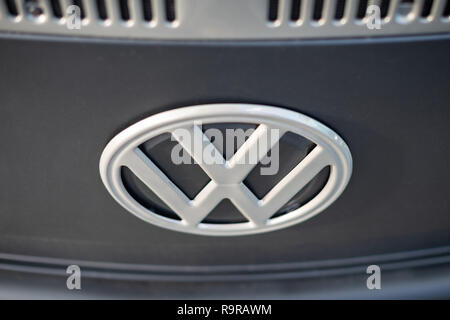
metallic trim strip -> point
(225, 20)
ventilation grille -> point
(103, 12)
(345, 12)
(225, 19)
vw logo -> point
(226, 175)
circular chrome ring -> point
(330, 150)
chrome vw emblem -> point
(227, 176)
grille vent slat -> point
(230, 19)
(56, 9)
(11, 6)
(273, 10)
(362, 8)
(101, 9)
(296, 10)
(80, 4)
(147, 11)
(340, 9)
(446, 12)
(124, 10)
(170, 10)
(384, 8)
(426, 10)
(113, 9)
(318, 10)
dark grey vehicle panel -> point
(63, 100)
